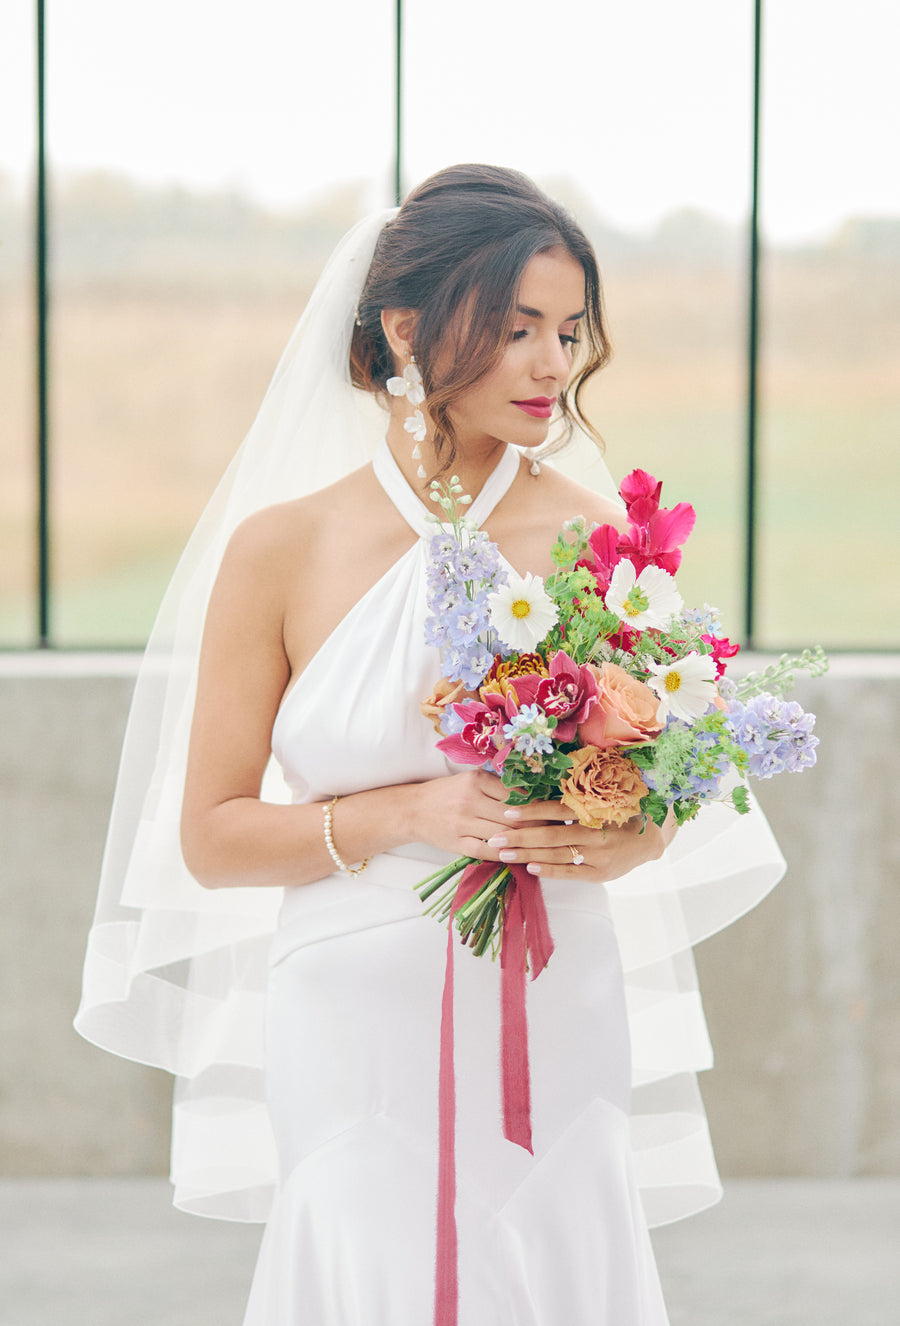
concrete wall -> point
(802, 996)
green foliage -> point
(740, 799)
(654, 807)
(677, 757)
(584, 622)
(685, 810)
(535, 777)
(566, 552)
(450, 497)
(778, 678)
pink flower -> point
(639, 484)
(480, 741)
(654, 536)
(605, 546)
(655, 539)
(720, 648)
(625, 639)
(567, 694)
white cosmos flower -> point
(646, 600)
(522, 612)
(687, 687)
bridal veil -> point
(175, 974)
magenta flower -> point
(654, 535)
(639, 484)
(721, 648)
(605, 546)
(656, 539)
(480, 741)
(567, 694)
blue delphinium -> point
(459, 579)
(776, 734)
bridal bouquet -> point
(598, 688)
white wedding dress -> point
(326, 999)
(352, 1043)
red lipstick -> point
(540, 407)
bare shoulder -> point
(585, 501)
(566, 498)
(280, 536)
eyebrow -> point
(536, 313)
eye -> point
(520, 335)
(568, 340)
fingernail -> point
(513, 814)
(507, 856)
(534, 869)
(497, 841)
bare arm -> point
(229, 836)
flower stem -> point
(478, 901)
(427, 886)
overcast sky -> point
(644, 103)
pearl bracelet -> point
(328, 811)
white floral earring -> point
(410, 386)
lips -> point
(539, 407)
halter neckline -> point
(413, 509)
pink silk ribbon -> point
(526, 940)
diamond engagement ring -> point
(577, 858)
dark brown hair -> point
(460, 243)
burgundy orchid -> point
(477, 743)
(567, 694)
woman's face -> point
(514, 400)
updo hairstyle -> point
(455, 253)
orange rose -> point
(626, 711)
(443, 693)
(602, 787)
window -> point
(199, 183)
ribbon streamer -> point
(526, 940)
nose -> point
(552, 359)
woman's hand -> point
(460, 813)
(544, 839)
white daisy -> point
(646, 600)
(522, 612)
(687, 687)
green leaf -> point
(654, 807)
(740, 799)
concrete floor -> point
(90, 1252)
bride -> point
(299, 908)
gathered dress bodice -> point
(351, 719)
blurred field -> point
(158, 370)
